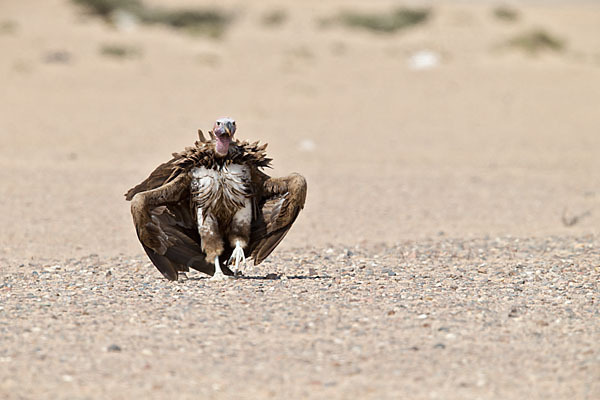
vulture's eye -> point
(218, 123)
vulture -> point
(211, 206)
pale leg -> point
(219, 275)
(237, 256)
(182, 276)
(239, 235)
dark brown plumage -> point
(168, 206)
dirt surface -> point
(449, 244)
(501, 318)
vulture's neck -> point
(221, 149)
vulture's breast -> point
(222, 190)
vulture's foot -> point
(219, 275)
(237, 256)
(182, 276)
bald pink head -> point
(224, 129)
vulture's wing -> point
(280, 202)
(167, 229)
(161, 175)
(179, 241)
(164, 173)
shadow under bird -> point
(211, 206)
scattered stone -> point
(346, 323)
(113, 348)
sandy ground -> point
(431, 260)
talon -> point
(219, 275)
(182, 276)
(236, 256)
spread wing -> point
(163, 174)
(173, 241)
(280, 202)
(167, 230)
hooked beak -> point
(229, 129)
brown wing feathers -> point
(161, 175)
(283, 199)
(183, 250)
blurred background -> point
(410, 119)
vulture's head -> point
(223, 130)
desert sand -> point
(449, 243)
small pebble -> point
(113, 348)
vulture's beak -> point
(229, 129)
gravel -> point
(486, 318)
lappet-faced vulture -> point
(211, 206)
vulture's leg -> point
(239, 235)
(182, 276)
(219, 275)
(236, 256)
(212, 243)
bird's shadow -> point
(268, 277)
(279, 277)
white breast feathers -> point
(226, 188)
